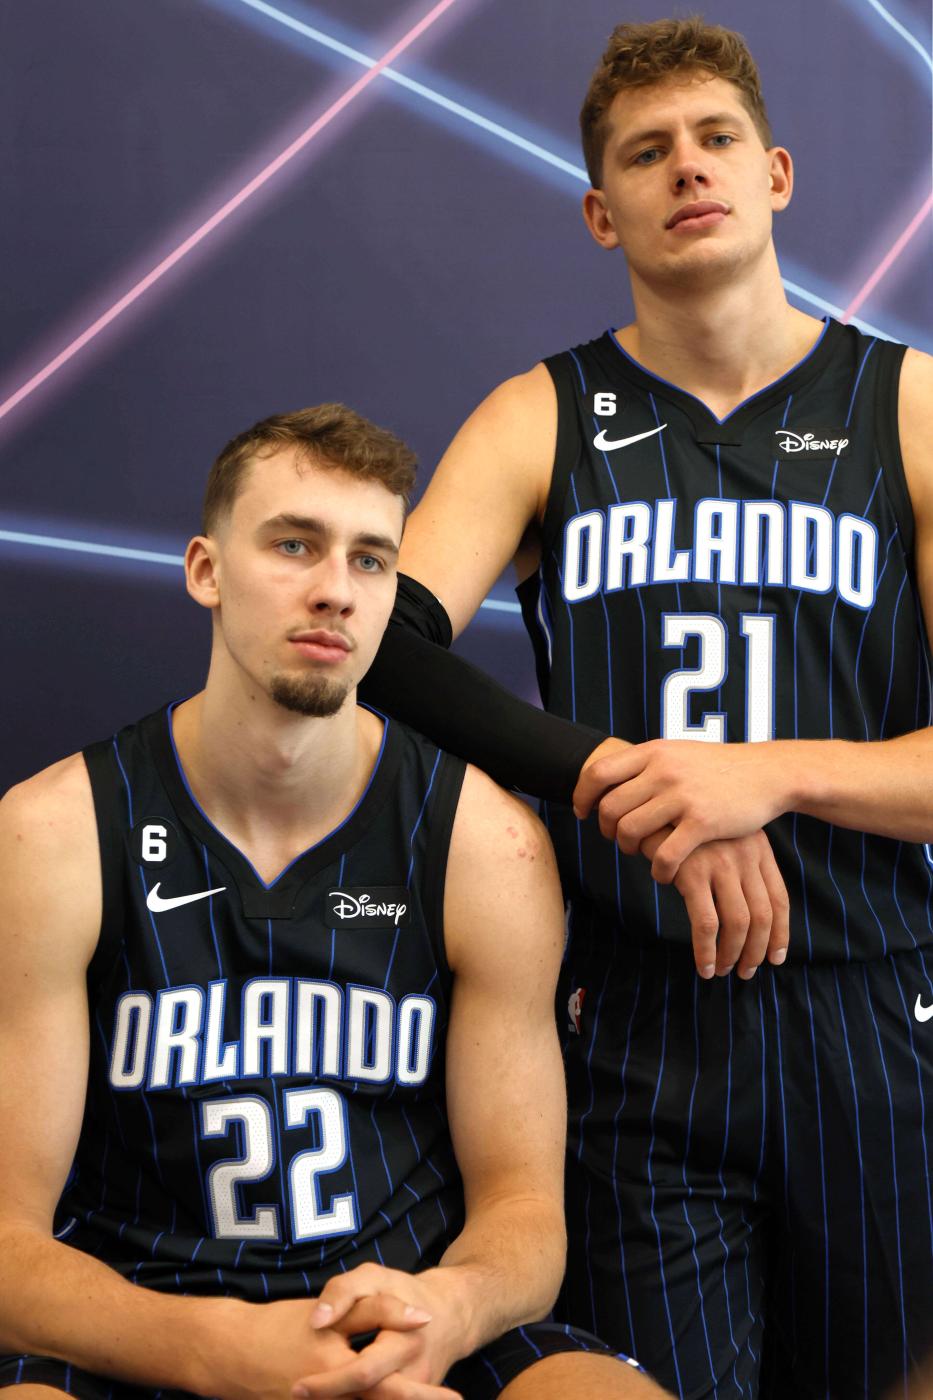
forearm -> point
(60, 1302)
(469, 714)
(504, 1268)
(885, 788)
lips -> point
(321, 644)
(704, 211)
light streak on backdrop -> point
(224, 212)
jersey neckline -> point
(728, 430)
(276, 898)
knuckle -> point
(706, 926)
(737, 925)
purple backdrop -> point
(422, 246)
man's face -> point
(688, 188)
(302, 577)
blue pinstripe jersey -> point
(743, 579)
(266, 1087)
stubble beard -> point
(315, 696)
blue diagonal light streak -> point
(110, 551)
(504, 133)
(905, 33)
(152, 556)
(439, 99)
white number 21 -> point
(710, 631)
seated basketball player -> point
(276, 1031)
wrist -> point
(456, 1292)
(207, 1354)
(803, 773)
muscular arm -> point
(55, 1300)
(505, 1094)
(723, 790)
(505, 1083)
(479, 512)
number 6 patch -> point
(154, 842)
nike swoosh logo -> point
(604, 445)
(922, 1013)
(158, 905)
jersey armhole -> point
(447, 786)
(561, 370)
(99, 760)
(888, 442)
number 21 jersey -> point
(737, 580)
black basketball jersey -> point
(743, 579)
(266, 1090)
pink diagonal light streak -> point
(889, 259)
(216, 219)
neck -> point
(272, 781)
(721, 343)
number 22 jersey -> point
(266, 1086)
(737, 580)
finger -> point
(602, 774)
(759, 928)
(672, 852)
(734, 919)
(381, 1311)
(401, 1388)
(779, 942)
(642, 821)
(704, 922)
(617, 802)
(343, 1291)
(387, 1354)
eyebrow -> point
(715, 119)
(312, 526)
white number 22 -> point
(253, 1118)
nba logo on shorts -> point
(575, 1009)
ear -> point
(781, 174)
(202, 574)
(598, 219)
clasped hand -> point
(696, 810)
(414, 1346)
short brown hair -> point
(640, 54)
(329, 435)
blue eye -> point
(647, 157)
(369, 563)
(722, 138)
(293, 548)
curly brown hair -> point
(328, 435)
(640, 54)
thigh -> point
(852, 1309)
(547, 1351)
(666, 1223)
(579, 1378)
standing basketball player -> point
(721, 515)
(276, 976)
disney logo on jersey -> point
(368, 906)
(821, 443)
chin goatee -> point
(308, 695)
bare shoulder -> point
(43, 808)
(915, 425)
(49, 860)
(490, 486)
(494, 824)
(502, 889)
(523, 396)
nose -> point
(689, 171)
(330, 588)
